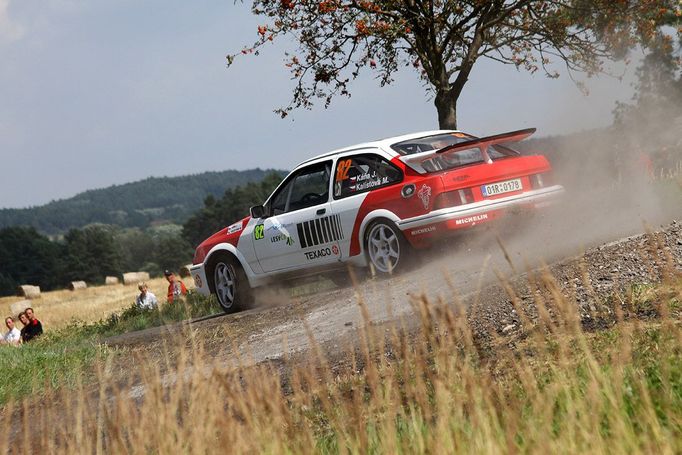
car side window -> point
(361, 173)
(308, 187)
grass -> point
(66, 356)
(57, 309)
(552, 388)
(438, 387)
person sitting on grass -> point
(23, 333)
(32, 327)
(146, 300)
(13, 336)
(176, 288)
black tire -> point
(386, 248)
(230, 285)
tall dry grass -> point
(554, 388)
(57, 309)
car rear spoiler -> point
(415, 160)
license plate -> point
(501, 187)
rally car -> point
(368, 205)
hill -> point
(138, 204)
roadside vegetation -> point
(549, 387)
(67, 356)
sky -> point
(101, 92)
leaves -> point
(443, 39)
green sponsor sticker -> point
(258, 232)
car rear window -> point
(451, 160)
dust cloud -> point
(619, 181)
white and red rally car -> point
(367, 205)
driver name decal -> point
(320, 231)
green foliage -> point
(135, 248)
(27, 258)
(92, 254)
(65, 357)
(52, 360)
(100, 250)
(233, 206)
(138, 204)
(134, 318)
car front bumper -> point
(200, 282)
(478, 212)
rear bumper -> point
(478, 212)
(200, 282)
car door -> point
(300, 230)
(356, 176)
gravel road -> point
(591, 252)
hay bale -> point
(29, 291)
(110, 280)
(185, 271)
(135, 277)
(18, 307)
(77, 285)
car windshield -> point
(451, 160)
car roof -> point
(384, 144)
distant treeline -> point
(232, 206)
(88, 254)
(140, 204)
(100, 250)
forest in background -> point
(98, 250)
(153, 201)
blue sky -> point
(97, 92)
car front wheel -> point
(386, 248)
(231, 285)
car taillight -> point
(540, 180)
(454, 198)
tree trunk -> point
(446, 104)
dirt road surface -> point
(281, 326)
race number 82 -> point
(258, 232)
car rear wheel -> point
(386, 248)
(230, 285)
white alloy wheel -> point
(383, 245)
(225, 284)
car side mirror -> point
(257, 211)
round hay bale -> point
(185, 271)
(110, 280)
(18, 307)
(75, 285)
(29, 291)
(135, 277)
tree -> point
(233, 206)
(651, 122)
(443, 40)
(27, 258)
(91, 254)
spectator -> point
(13, 336)
(146, 300)
(32, 327)
(24, 320)
(176, 288)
